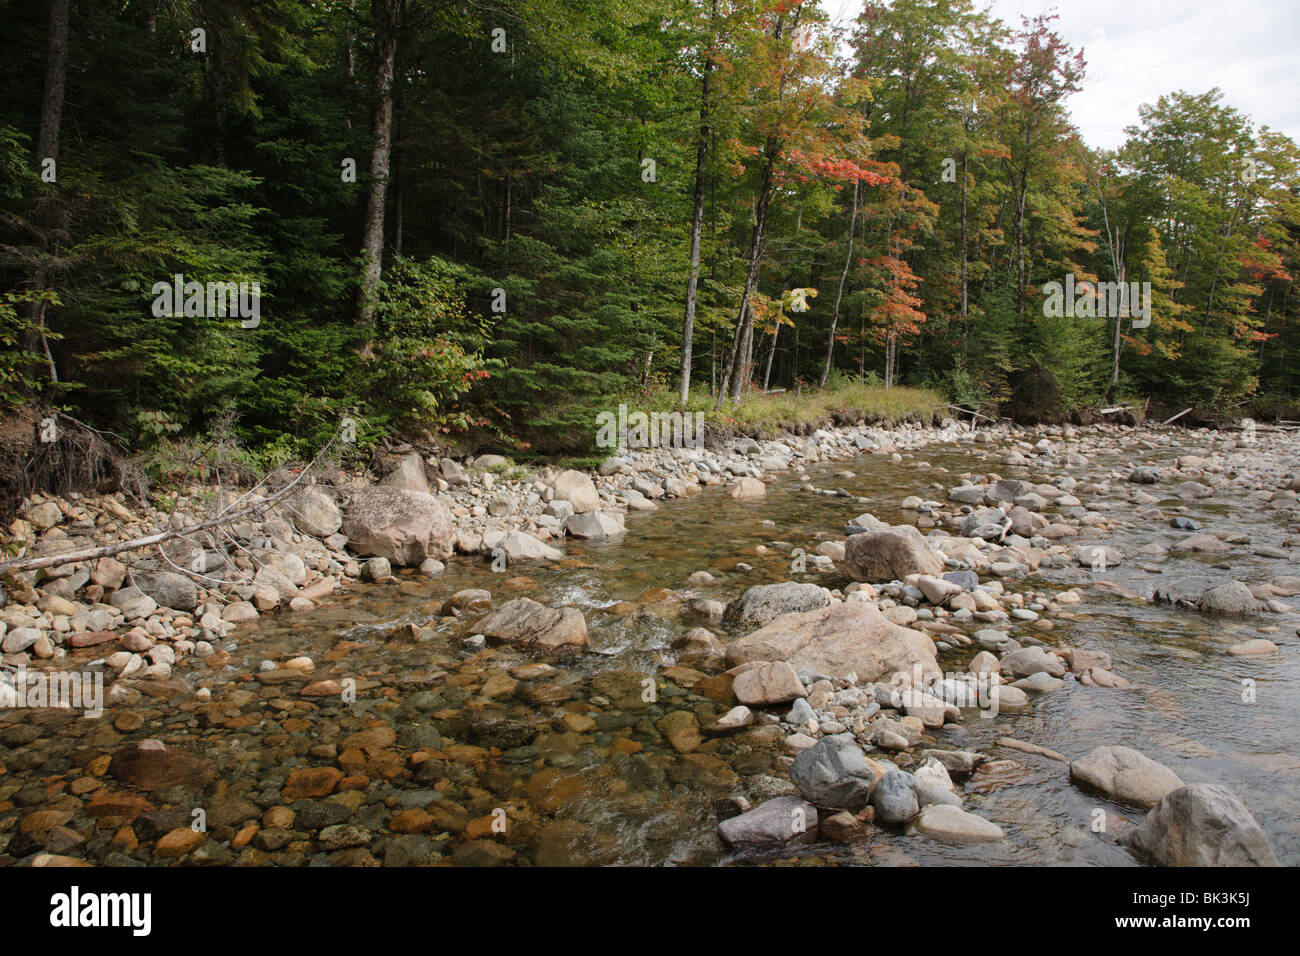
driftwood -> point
(1176, 417)
(1115, 408)
(967, 411)
(230, 513)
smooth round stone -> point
(1252, 647)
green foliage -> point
(426, 356)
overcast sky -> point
(1138, 49)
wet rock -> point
(595, 525)
(311, 782)
(1202, 542)
(1200, 825)
(156, 770)
(764, 602)
(526, 623)
(1032, 660)
(949, 824)
(522, 546)
(748, 488)
(782, 820)
(1232, 597)
(1252, 647)
(406, 527)
(1125, 775)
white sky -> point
(1139, 49)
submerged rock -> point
(1201, 824)
(527, 623)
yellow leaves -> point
(796, 300)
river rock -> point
(403, 526)
(853, 637)
(748, 488)
(1032, 660)
(950, 824)
(889, 555)
(1125, 775)
(1201, 824)
(1232, 597)
(764, 602)
(577, 488)
(761, 683)
(782, 820)
(834, 773)
(594, 525)
(893, 798)
(522, 546)
(525, 622)
(407, 474)
(168, 589)
(315, 512)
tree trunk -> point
(835, 314)
(738, 363)
(697, 226)
(387, 14)
(965, 315)
(47, 147)
(771, 353)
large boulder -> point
(834, 773)
(407, 474)
(1124, 774)
(889, 555)
(748, 487)
(406, 527)
(315, 513)
(836, 640)
(763, 602)
(1232, 597)
(577, 488)
(595, 525)
(520, 546)
(1202, 824)
(168, 589)
(529, 624)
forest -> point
(486, 222)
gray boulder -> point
(1202, 824)
(834, 773)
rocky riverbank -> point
(848, 690)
